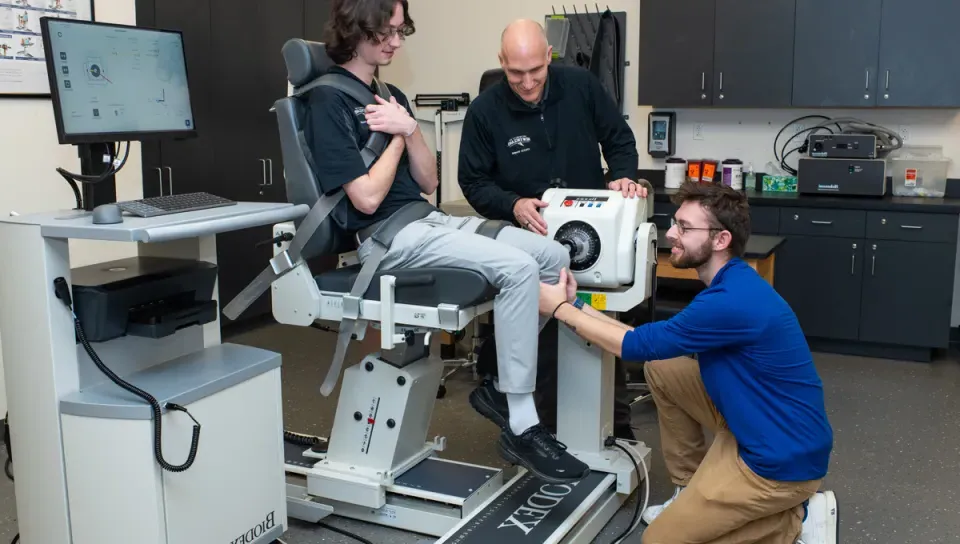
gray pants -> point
(515, 263)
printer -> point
(151, 297)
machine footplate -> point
(293, 453)
(517, 515)
(444, 478)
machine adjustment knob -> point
(357, 416)
(401, 381)
(368, 366)
(391, 423)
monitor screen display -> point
(115, 83)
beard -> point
(692, 258)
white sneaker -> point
(822, 523)
(653, 511)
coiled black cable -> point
(62, 292)
(300, 439)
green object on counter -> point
(780, 184)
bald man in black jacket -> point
(539, 126)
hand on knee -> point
(556, 257)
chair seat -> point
(417, 287)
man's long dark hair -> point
(352, 21)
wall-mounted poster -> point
(23, 70)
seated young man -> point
(516, 262)
(753, 384)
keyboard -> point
(165, 205)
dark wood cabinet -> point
(799, 53)
(917, 39)
(879, 279)
(736, 53)
(907, 293)
(836, 52)
(675, 64)
(753, 53)
(820, 278)
(236, 72)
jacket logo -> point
(518, 141)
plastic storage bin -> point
(920, 171)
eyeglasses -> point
(682, 229)
(388, 34)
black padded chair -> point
(305, 62)
(490, 77)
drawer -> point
(764, 220)
(823, 222)
(912, 227)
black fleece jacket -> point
(511, 150)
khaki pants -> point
(724, 502)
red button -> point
(568, 203)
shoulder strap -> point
(377, 142)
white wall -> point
(452, 48)
(29, 154)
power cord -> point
(73, 179)
(8, 467)
(638, 509)
(887, 140)
(62, 291)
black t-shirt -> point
(336, 130)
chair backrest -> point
(306, 62)
(490, 77)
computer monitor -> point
(116, 83)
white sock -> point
(523, 412)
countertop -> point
(887, 203)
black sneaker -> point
(491, 403)
(540, 453)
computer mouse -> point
(107, 214)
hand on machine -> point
(527, 211)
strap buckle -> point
(351, 307)
(281, 263)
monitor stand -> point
(92, 163)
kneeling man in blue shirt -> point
(734, 361)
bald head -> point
(523, 37)
(525, 57)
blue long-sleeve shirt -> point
(757, 368)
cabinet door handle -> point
(853, 263)
(911, 227)
(866, 84)
(271, 171)
(703, 81)
(873, 264)
(170, 179)
(822, 222)
(263, 163)
(160, 177)
(886, 86)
